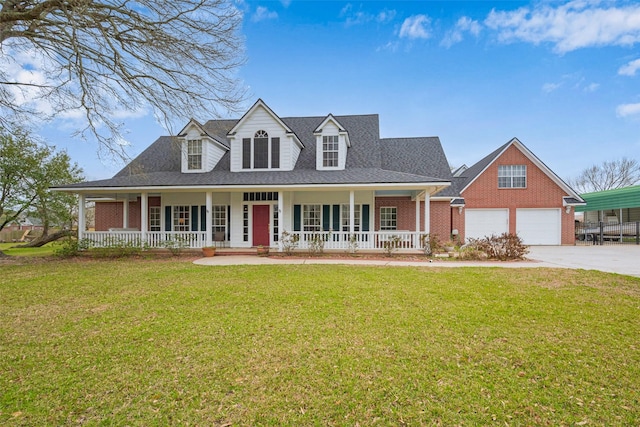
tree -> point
(607, 176)
(96, 59)
(27, 170)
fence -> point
(602, 233)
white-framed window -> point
(154, 218)
(194, 154)
(345, 217)
(261, 152)
(388, 218)
(330, 150)
(181, 218)
(512, 176)
(219, 222)
(312, 217)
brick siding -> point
(540, 192)
(109, 214)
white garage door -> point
(480, 223)
(539, 226)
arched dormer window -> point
(266, 152)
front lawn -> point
(46, 250)
(140, 342)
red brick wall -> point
(440, 219)
(109, 214)
(541, 192)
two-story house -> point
(242, 183)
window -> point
(330, 151)
(261, 150)
(154, 218)
(512, 176)
(181, 220)
(311, 217)
(194, 154)
(219, 221)
(344, 222)
(388, 218)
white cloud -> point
(360, 17)
(570, 26)
(626, 110)
(550, 87)
(262, 13)
(385, 16)
(630, 68)
(416, 27)
(456, 35)
(592, 87)
(285, 3)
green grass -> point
(46, 250)
(170, 343)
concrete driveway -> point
(623, 259)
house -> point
(243, 183)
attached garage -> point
(539, 226)
(481, 223)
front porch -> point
(339, 219)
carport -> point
(610, 216)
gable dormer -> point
(199, 151)
(262, 141)
(332, 143)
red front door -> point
(261, 225)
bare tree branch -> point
(607, 176)
(177, 58)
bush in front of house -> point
(504, 247)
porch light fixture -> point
(568, 209)
(460, 209)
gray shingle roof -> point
(369, 160)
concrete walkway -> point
(612, 259)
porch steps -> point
(235, 251)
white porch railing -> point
(330, 240)
(367, 240)
(153, 239)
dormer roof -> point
(261, 104)
(341, 129)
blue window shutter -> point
(167, 218)
(194, 218)
(336, 217)
(203, 218)
(326, 217)
(365, 217)
(229, 222)
(297, 217)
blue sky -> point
(563, 77)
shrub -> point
(503, 247)
(392, 244)
(430, 243)
(316, 244)
(71, 246)
(175, 244)
(289, 242)
(353, 244)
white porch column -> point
(144, 216)
(417, 214)
(81, 216)
(209, 219)
(280, 218)
(352, 213)
(125, 212)
(427, 207)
